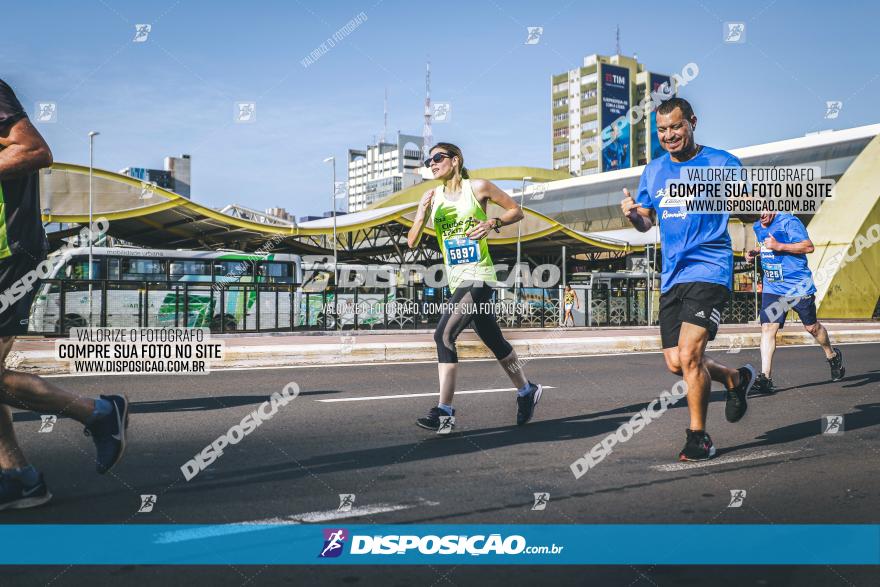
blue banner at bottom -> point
(485, 544)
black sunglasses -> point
(437, 158)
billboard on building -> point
(616, 132)
(654, 147)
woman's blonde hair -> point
(455, 152)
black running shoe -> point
(736, 398)
(763, 384)
(698, 447)
(432, 420)
(108, 434)
(15, 496)
(525, 404)
(836, 363)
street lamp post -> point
(332, 160)
(522, 197)
(92, 136)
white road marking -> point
(264, 524)
(330, 515)
(761, 454)
(433, 393)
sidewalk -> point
(37, 355)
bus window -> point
(182, 270)
(143, 269)
(113, 269)
(230, 271)
(275, 272)
(78, 268)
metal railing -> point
(272, 307)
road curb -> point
(349, 350)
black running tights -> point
(469, 305)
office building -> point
(176, 177)
(588, 99)
(382, 169)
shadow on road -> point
(859, 380)
(428, 448)
(431, 446)
(865, 415)
(193, 404)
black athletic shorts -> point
(695, 303)
(17, 293)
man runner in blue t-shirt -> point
(787, 284)
(697, 273)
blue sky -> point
(176, 92)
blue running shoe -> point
(108, 433)
(15, 496)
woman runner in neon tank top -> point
(458, 211)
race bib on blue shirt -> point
(771, 265)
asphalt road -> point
(294, 466)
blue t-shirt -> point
(695, 247)
(785, 274)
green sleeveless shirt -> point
(465, 259)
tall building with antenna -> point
(588, 99)
(386, 167)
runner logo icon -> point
(535, 33)
(346, 500)
(47, 423)
(541, 500)
(334, 540)
(734, 32)
(147, 503)
(832, 424)
(446, 424)
(737, 497)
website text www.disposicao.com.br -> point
(451, 544)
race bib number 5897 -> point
(462, 250)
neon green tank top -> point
(465, 259)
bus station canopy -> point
(149, 216)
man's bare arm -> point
(641, 218)
(804, 247)
(800, 248)
(22, 150)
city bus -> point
(153, 287)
